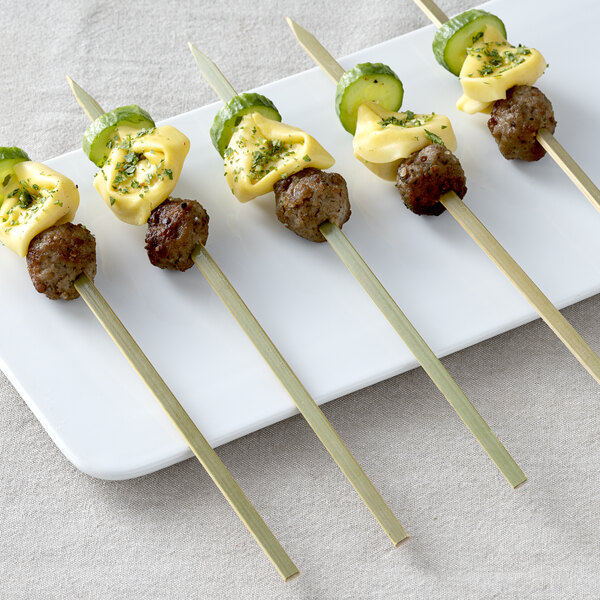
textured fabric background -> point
(170, 534)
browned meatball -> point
(428, 174)
(175, 228)
(57, 256)
(307, 199)
(515, 122)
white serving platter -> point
(107, 423)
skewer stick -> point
(507, 264)
(186, 427)
(568, 164)
(402, 325)
(423, 353)
(561, 157)
(306, 405)
(469, 222)
(89, 105)
(436, 15)
(182, 421)
(304, 402)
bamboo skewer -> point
(461, 212)
(395, 316)
(568, 164)
(182, 421)
(303, 401)
(306, 405)
(186, 427)
(431, 364)
(561, 157)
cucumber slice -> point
(97, 138)
(367, 81)
(456, 35)
(231, 114)
(9, 157)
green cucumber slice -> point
(97, 138)
(367, 81)
(9, 157)
(456, 35)
(230, 115)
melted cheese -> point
(141, 171)
(42, 198)
(262, 151)
(492, 67)
(384, 138)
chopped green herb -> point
(112, 200)
(25, 199)
(6, 180)
(306, 158)
(498, 57)
(410, 120)
(436, 139)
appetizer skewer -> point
(36, 205)
(519, 105)
(451, 201)
(293, 181)
(169, 245)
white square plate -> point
(107, 423)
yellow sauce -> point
(262, 151)
(43, 198)
(141, 171)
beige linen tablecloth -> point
(64, 535)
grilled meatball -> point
(175, 228)
(307, 199)
(428, 174)
(57, 256)
(515, 122)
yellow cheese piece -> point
(384, 138)
(42, 199)
(262, 151)
(492, 67)
(141, 171)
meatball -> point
(515, 122)
(175, 228)
(428, 174)
(307, 199)
(57, 256)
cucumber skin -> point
(222, 127)
(353, 75)
(7, 153)
(9, 156)
(97, 134)
(447, 31)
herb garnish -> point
(25, 199)
(436, 139)
(410, 120)
(270, 152)
(492, 58)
